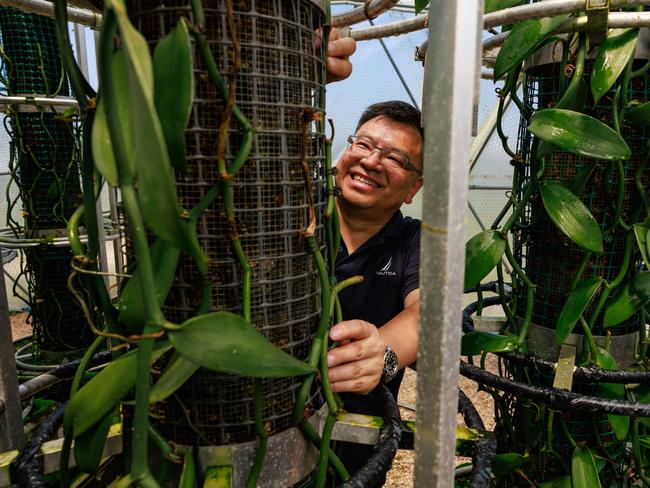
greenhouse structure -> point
(309, 243)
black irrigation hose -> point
(484, 449)
(589, 373)
(68, 370)
(373, 473)
(469, 310)
(27, 468)
(556, 399)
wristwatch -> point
(391, 366)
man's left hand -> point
(357, 363)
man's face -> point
(366, 183)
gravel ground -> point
(401, 474)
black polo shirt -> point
(389, 262)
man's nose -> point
(373, 160)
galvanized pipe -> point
(450, 73)
(506, 16)
(359, 14)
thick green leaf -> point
(225, 342)
(503, 464)
(164, 258)
(634, 294)
(570, 215)
(420, 4)
(615, 391)
(474, 343)
(561, 482)
(574, 307)
(89, 446)
(523, 40)
(639, 114)
(583, 468)
(494, 5)
(174, 90)
(102, 394)
(482, 253)
(178, 371)
(156, 191)
(578, 133)
(102, 148)
(613, 55)
(641, 234)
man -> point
(380, 170)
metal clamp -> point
(597, 11)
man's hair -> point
(395, 110)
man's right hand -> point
(357, 363)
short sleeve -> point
(411, 274)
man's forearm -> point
(401, 333)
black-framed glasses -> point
(389, 157)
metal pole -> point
(11, 420)
(450, 70)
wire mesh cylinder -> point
(551, 260)
(44, 166)
(278, 84)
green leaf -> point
(641, 234)
(613, 55)
(225, 342)
(174, 90)
(482, 253)
(634, 295)
(494, 5)
(474, 343)
(574, 307)
(420, 5)
(639, 114)
(570, 215)
(561, 482)
(164, 258)
(103, 155)
(503, 464)
(644, 440)
(89, 446)
(102, 394)
(615, 391)
(523, 40)
(583, 468)
(156, 191)
(578, 133)
(178, 371)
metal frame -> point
(450, 72)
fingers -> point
(339, 51)
(357, 377)
(357, 363)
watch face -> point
(391, 365)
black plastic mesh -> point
(45, 168)
(550, 258)
(279, 79)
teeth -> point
(363, 180)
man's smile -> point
(365, 181)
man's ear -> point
(417, 184)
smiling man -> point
(380, 170)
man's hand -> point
(357, 363)
(339, 50)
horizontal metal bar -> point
(489, 187)
(38, 101)
(78, 15)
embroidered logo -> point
(385, 271)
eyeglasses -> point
(392, 159)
